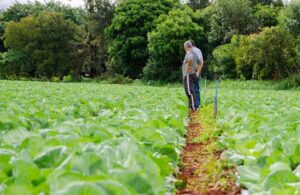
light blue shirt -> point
(199, 54)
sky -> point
(6, 3)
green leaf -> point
(16, 137)
(248, 174)
(51, 156)
(14, 189)
(279, 166)
(114, 187)
(297, 171)
(82, 188)
(279, 179)
(25, 172)
(134, 180)
(286, 191)
(5, 156)
(3, 176)
(88, 163)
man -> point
(189, 72)
(199, 69)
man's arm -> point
(199, 68)
(200, 63)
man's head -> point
(193, 43)
(188, 46)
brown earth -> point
(200, 171)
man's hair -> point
(193, 43)
(188, 44)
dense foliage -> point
(231, 17)
(35, 53)
(96, 139)
(100, 14)
(270, 54)
(261, 133)
(166, 42)
(133, 37)
(128, 33)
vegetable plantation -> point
(88, 138)
(261, 133)
(58, 138)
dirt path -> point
(200, 171)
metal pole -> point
(205, 85)
(216, 96)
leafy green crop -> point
(261, 132)
(88, 138)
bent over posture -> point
(189, 68)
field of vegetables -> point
(261, 132)
(85, 138)
(59, 138)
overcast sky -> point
(6, 3)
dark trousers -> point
(189, 88)
(197, 92)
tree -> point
(12, 65)
(166, 44)
(45, 41)
(127, 34)
(231, 17)
(225, 64)
(266, 16)
(261, 2)
(275, 55)
(198, 4)
(21, 10)
(289, 19)
(100, 14)
(245, 55)
(268, 55)
(276, 3)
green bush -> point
(116, 79)
(244, 55)
(289, 18)
(132, 21)
(67, 78)
(56, 79)
(225, 61)
(166, 44)
(291, 82)
(270, 54)
(231, 17)
(265, 15)
(41, 46)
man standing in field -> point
(199, 69)
(190, 72)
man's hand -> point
(197, 74)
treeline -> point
(244, 39)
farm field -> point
(261, 133)
(87, 138)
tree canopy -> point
(143, 39)
(44, 41)
(127, 34)
(166, 44)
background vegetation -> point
(139, 39)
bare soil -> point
(199, 172)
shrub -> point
(166, 44)
(225, 61)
